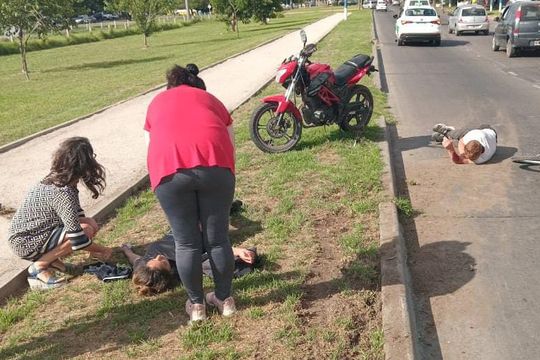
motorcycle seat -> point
(349, 68)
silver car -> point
(468, 18)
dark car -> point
(518, 28)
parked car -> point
(395, 2)
(518, 28)
(418, 24)
(84, 19)
(369, 4)
(381, 5)
(468, 18)
(414, 3)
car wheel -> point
(458, 33)
(400, 42)
(486, 32)
(449, 29)
(510, 50)
(494, 45)
(437, 42)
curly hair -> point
(473, 149)
(178, 75)
(75, 160)
(149, 281)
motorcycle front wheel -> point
(358, 110)
(272, 134)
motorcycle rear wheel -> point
(266, 133)
(356, 121)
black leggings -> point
(194, 200)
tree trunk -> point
(145, 37)
(22, 48)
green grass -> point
(82, 36)
(72, 81)
(324, 192)
(404, 206)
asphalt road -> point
(473, 250)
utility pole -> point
(187, 10)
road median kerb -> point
(396, 288)
(399, 325)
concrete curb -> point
(399, 325)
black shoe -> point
(443, 129)
(236, 207)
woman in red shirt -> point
(191, 167)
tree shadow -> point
(106, 64)
(113, 328)
(128, 324)
(179, 44)
(371, 132)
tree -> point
(262, 10)
(32, 17)
(143, 12)
(232, 11)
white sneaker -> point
(196, 312)
(225, 307)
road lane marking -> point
(536, 86)
(512, 73)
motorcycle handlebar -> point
(308, 50)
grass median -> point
(311, 212)
(76, 80)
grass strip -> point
(311, 212)
(72, 81)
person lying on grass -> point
(155, 271)
(50, 223)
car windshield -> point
(530, 12)
(420, 12)
(473, 12)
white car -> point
(395, 2)
(418, 24)
(369, 4)
(381, 5)
(469, 18)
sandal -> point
(36, 283)
(69, 269)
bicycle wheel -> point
(527, 159)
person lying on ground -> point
(467, 145)
(155, 271)
(50, 223)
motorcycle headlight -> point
(280, 73)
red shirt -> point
(188, 128)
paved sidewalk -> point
(117, 135)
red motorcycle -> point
(327, 98)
